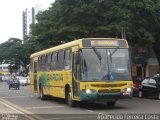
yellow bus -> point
(88, 69)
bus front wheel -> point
(111, 104)
(69, 99)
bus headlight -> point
(89, 91)
(127, 90)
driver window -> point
(152, 81)
(145, 81)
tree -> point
(17, 54)
(72, 19)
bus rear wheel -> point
(69, 99)
(41, 94)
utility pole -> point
(123, 33)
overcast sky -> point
(11, 16)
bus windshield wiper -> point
(114, 51)
(97, 54)
(110, 54)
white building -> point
(4, 72)
(29, 17)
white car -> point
(22, 80)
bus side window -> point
(60, 60)
(40, 63)
(54, 61)
(67, 59)
(48, 61)
(43, 68)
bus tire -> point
(41, 94)
(111, 104)
(69, 99)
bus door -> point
(35, 76)
(75, 76)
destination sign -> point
(104, 43)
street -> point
(24, 102)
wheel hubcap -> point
(140, 94)
(69, 98)
(40, 93)
(159, 96)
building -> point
(28, 18)
(4, 72)
(144, 63)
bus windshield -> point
(105, 64)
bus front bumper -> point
(98, 96)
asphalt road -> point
(25, 101)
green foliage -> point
(16, 53)
(67, 20)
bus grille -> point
(109, 90)
(109, 85)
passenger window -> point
(54, 61)
(67, 62)
(60, 65)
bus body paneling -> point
(89, 69)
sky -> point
(11, 16)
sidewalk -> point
(8, 112)
(7, 109)
(11, 111)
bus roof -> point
(70, 44)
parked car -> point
(136, 85)
(22, 80)
(28, 80)
(150, 87)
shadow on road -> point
(88, 105)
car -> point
(14, 83)
(150, 87)
(136, 85)
(28, 80)
(22, 80)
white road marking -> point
(64, 118)
(4, 102)
(121, 103)
(90, 110)
(43, 107)
(15, 97)
(3, 91)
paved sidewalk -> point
(8, 112)
(6, 109)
